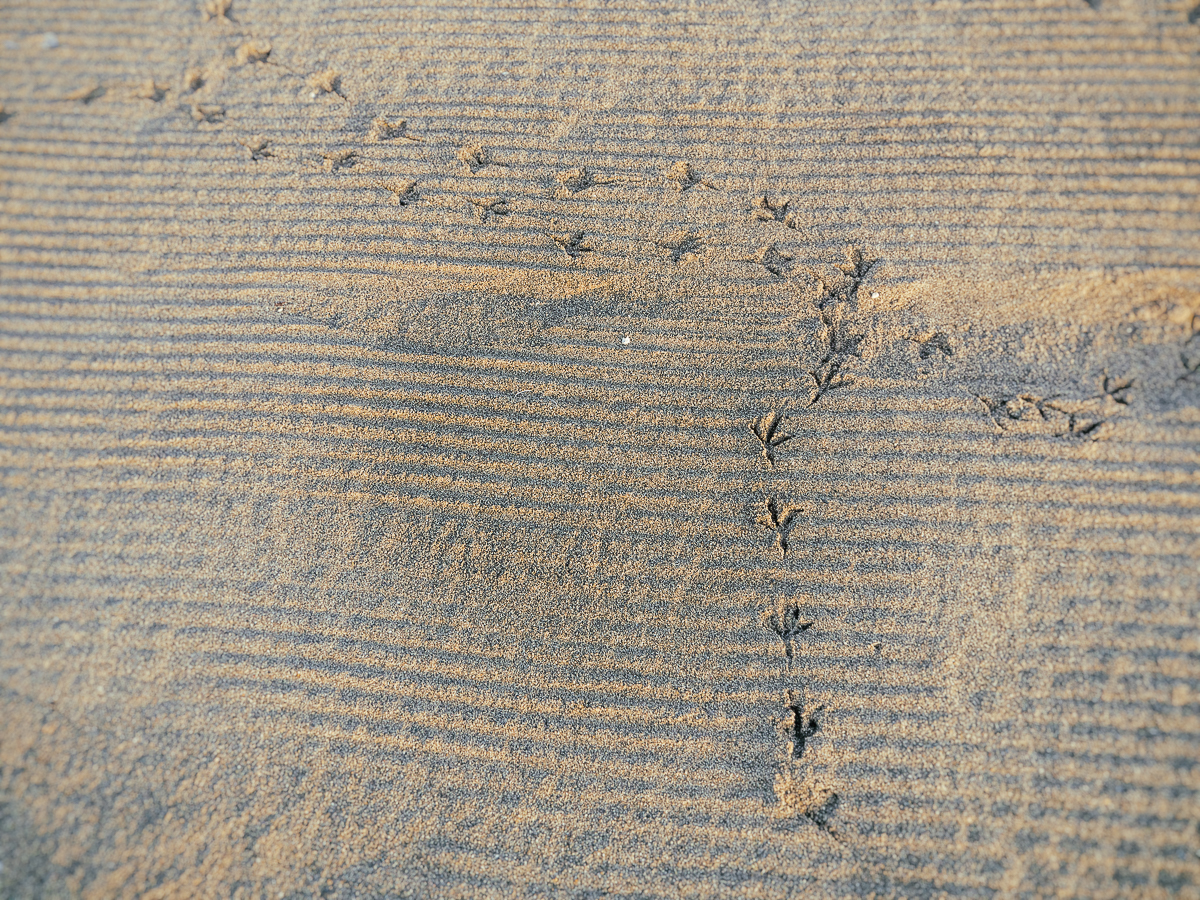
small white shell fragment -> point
(49, 40)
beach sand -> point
(727, 449)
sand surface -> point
(712, 449)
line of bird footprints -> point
(1057, 416)
(475, 159)
(797, 790)
(404, 192)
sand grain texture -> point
(741, 449)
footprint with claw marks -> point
(766, 429)
(339, 159)
(383, 130)
(773, 260)
(206, 114)
(218, 9)
(486, 207)
(685, 177)
(476, 158)
(579, 180)
(768, 210)
(152, 90)
(254, 51)
(803, 725)
(260, 149)
(327, 82)
(788, 625)
(403, 192)
(684, 243)
(777, 519)
(571, 244)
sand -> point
(727, 449)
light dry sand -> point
(724, 449)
